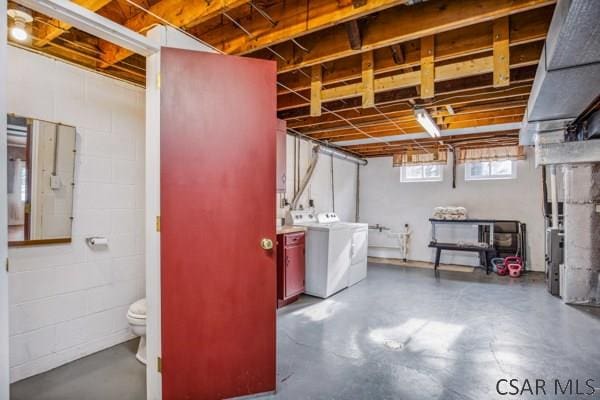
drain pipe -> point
(554, 196)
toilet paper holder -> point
(97, 241)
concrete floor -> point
(400, 334)
(114, 373)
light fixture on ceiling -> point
(21, 18)
(427, 122)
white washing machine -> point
(336, 252)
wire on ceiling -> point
(249, 34)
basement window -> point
(485, 170)
(421, 173)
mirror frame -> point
(37, 242)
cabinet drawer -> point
(292, 239)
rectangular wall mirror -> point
(41, 165)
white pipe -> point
(554, 196)
(342, 155)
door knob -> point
(266, 244)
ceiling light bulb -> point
(21, 17)
(18, 31)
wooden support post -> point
(368, 79)
(501, 52)
(427, 69)
(315, 91)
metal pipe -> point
(341, 155)
(554, 196)
(357, 202)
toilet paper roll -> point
(97, 241)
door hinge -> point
(158, 223)
(159, 364)
(7, 265)
(158, 80)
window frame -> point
(404, 179)
(490, 177)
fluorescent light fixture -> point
(427, 122)
(21, 17)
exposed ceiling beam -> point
(400, 24)
(182, 13)
(525, 28)
(53, 28)
(480, 85)
(408, 121)
(525, 55)
(422, 138)
(477, 103)
(413, 127)
(92, 23)
(294, 18)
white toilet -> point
(136, 315)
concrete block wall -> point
(385, 200)
(68, 300)
(581, 278)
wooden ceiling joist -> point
(294, 18)
(525, 28)
(457, 92)
(401, 24)
(53, 28)
(352, 69)
(524, 56)
(407, 122)
(402, 111)
(504, 138)
(182, 13)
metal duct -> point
(568, 75)
(342, 155)
(307, 177)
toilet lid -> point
(138, 309)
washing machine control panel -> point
(327, 218)
(300, 217)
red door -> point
(218, 124)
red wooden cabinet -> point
(290, 267)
